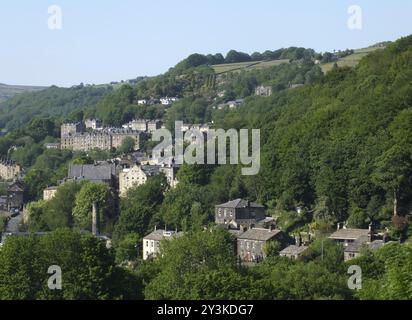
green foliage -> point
(272, 248)
(386, 273)
(127, 146)
(188, 261)
(338, 144)
(138, 208)
(88, 269)
(283, 279)
(89, 193)
(127, 248)
(55, 213)
(54, 101)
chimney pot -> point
(95, 220)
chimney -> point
(338, 227)
(386, 235)
(95, 220)
(298, 240)
(370, 233)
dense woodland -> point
(340, 147)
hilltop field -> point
(351, 60)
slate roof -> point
(102, 172)
(52, 188)
(259, 234)
(239, 203)
(293, 250)
(16, 187)
(150, 170)
(161, 234)
(357, 245)
(349, 234)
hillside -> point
(340, 146)
(351, 60)
(53, 101)
(9, 91)
(251, 65)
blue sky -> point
(107, 40)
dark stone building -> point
(97, 173)
(15, 195)
(239, 213)
(251, 243)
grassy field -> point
(351, 60)
(231, 67)
(8, 91)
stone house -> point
(9, 170)
(293, 252)
(93, 124)
(15, 195)
(154, 125)
(74, 137)
(49, 193)
(354, 249)
(52, 145)
(138, 175)
(347, 236)
(239, 213)
(138, 125)
(68, 129)
(264, 91)
(151, 242)
(96, 173)
(251, 243)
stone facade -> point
(9, 170)
(15, 194)
(251, 244)
(68, 129)
(49, 193)
(151, 243)
(138, 175)
(263, 91)
(239, 213)
(93, 124)
(148, 126)
(73, 137)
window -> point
(147, 243)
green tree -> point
(88, 194)
(88, 268)
(139, 207)
(127, 146)
(186, 260)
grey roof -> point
(239, 203)
(161, 234)
(259, 234)
(357, 245)
(349, 234)
(101, 172)
(16, 187)
(52, 188)
(150, 170)
(293, 250)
